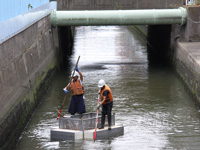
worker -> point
(77, 104)
(106, 103)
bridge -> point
(31, 49)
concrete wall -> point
(185, 52)
(187, 65)
(27, 63)
(117, 4)
(191, 31)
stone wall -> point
(185, 52)
(187, 65)
(117, 4)
(27, 63)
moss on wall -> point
(186, 76)
(21, 113)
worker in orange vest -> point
(77, 104)
(106, 103)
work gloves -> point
(77, 69)
(98, 106)
(65, 90)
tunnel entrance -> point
(158, 46)
(65, 44)
(158, 43)
(159, 29)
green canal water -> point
(150, 101)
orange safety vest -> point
(76, 88)
(109, 97)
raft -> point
(83, 127)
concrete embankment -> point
(185, 52)
(28, 62)
(187, 65)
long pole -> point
(68, 84)
(95, 132)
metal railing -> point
(86, 121)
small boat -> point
(83, 127)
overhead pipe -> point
(119, 17)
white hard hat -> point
(101, 83)
(75, 73)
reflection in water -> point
(149, 101)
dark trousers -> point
(77, 105)
(106, 110)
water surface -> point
(149, 101)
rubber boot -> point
(72, 116)
(81, 116)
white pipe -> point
(119, 17)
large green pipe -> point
(119, 17)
